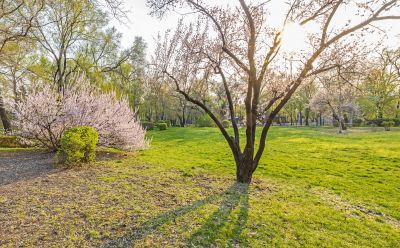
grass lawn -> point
(313, 188)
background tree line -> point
(48, 41)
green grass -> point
(360, 166)
(313, 188)
(15, 149)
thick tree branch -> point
(203, 10)
(205, 109)
(231, 108)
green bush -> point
(77, 145)
(388, 124)
(226, 123)
(162, 126)
(379, 121)
(147, 125)
(205, 121)
(9, 142)
(168, 122)
(357, 122)
(175, 124)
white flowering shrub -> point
(46, 113)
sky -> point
(142, 24)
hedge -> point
(379, 121)
(147, 125)
(205, 121)
(9, 142)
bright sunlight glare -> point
(294, 38)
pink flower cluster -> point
(45, 114)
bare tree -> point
(16, 21)
(60, 30)
(3, 115)
(238, 41)
(335, 96)
(70, 30)
(115, 7)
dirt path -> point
(23, 165)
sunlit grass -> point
(314, 188)
(359, 166)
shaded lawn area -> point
(313, 188)
(26, 163)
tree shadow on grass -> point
(236, 196)
(222, 223)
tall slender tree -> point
(16, 21)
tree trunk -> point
(300, 118)
(244, 170)
(320, 120)
(183, 120)
(351, 119)
(278, 121)
(380, 113)
(343, 125)
(15, 90)
(4, 118)
(307, 113)
(340, 120)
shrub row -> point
(9, 142)
(205, 121)
(202, 121)
(358, 122)
(161, 125)
(147, 125)
(388, 124)
(380, 121)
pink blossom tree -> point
(45, 114)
